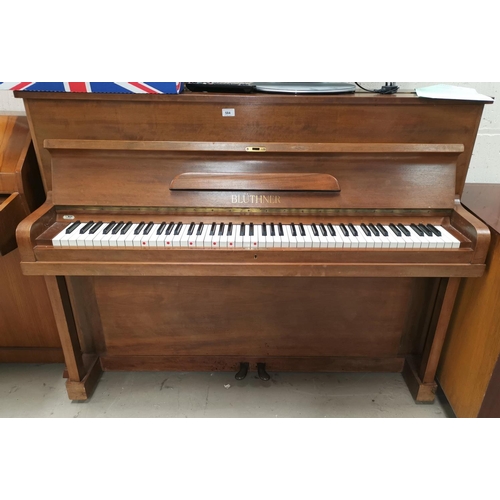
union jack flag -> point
(97, 87)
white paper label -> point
(68, 217)
(227, 111)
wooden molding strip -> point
(249, 148)
(200, 181)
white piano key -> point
(200, 238)
(346, 242)
(292, 240)
(261, 243)
(254, 240)
(285, 239)
(415, 238)
(207, 242)
(56, 240)
(361, 237)
(369, 239)
(176, 239)
(238, 241)
(448, 237)
(155, 237)
(89, 241)
(276, 238)
(393, 239)
(184, 240)
(231, 238)
(216, 237)
(269, 240)
(122, 238)
(223, 237)
(315, 241)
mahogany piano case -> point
(299, 233)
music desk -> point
(469, 372)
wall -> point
(485, 163)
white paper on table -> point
(444, 91)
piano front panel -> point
(143, 179)
(221, 316)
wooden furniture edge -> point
(475, 229)
(33, 226)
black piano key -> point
(280, 229)
(417, 229)
(250, 231)
(212, 229)
(72, 227)
(177, 230)
(200, 229)
(230, 229)
(403, 229)
(314, 229)
(434, 229)
(109, 227)
(86, 227)
(138, 229)
(221, 229)
(170, 228)
(272, 230)
(148, 228)
(126, 227)
(301, 229)
(395, 230)
(118, 227)
(95, 227)
(264, 229)
(374, 230)
(331, 229)
(294, 231)
(191, 228)
(382, 229)
(323, 229)
(163, 225)
(425, 230)
(344, 229)
(365, 229)
(242, 229)
(353, 229)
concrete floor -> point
(38, 391)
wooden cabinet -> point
(469, 372)
(27, 327)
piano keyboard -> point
(252, 236)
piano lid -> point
(237, 175)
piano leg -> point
(420, 376)
(83, 370)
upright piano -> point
(293, 233)
(27, 328)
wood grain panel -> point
(142, 179)
(253, 316)
(473, 343)
(258, 118)
(25, 313)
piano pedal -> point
(261, 371)
(242, 372)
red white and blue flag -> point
(97, 87)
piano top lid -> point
(401, 97)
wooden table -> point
(469, 372)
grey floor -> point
(31, 390)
